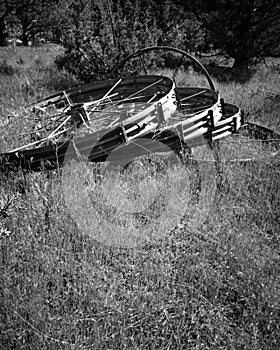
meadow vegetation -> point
(212, 284)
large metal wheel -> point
(97, 116)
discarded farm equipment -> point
(92, 120)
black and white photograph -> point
(140, 174)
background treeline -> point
(97, 33)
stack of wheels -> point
(199, 112)
(95, 118)
(219, 125)
(201, 117)
(205, 119)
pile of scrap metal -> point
(94, 119)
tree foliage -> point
(32, 18)
(242, 29)
(96, 33)
(99, 33)
(6, 7)
(35, 17)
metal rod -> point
(37, 142)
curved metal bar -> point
(166, 48)
(98, 147)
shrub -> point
(7, 69)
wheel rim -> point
(140, 54)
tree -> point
(35, 17)
(98, 33)
(178, 28)
(242, 29)
(6, 7)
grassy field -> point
(209, 283)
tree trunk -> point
(24, 38)
(3, 34)
(241, 63)
(25, 22)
